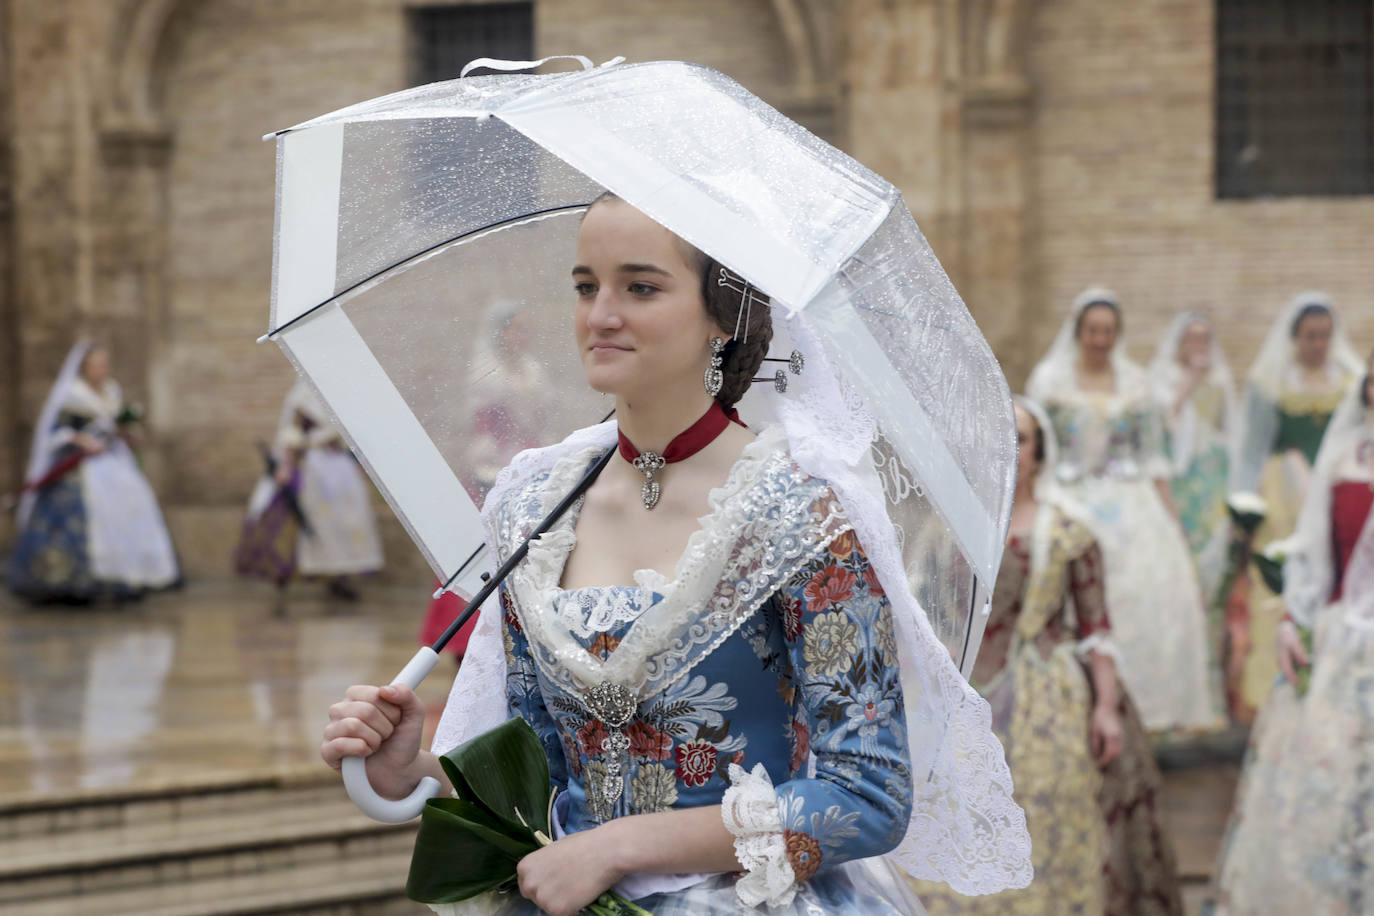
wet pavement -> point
(213, 681)
(220, 681)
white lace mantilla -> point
(767, 522)
(750, 812)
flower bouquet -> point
(1270, 562)
(501, 811)
(1247, 511)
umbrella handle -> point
(355, 768)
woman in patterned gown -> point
(766, 731)
(89, 524)
(316, 471)
(1302, 835)
(1079, 755)
(1111, 461)
(1197, 397)
(1303, 367)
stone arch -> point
(808, 29)
(133, 100)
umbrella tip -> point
(265, 338)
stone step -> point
(268, 844)
(352, 882)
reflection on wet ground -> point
(214, 684)
(190, 686)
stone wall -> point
(1042, 144)
(1122, 171)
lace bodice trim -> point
(764, 523)
(587, 612)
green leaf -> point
(504, 770)
(1271, 571)
(456, 858)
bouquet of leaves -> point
(1247, 511)
(471, 844)
(1270, 563)
(131, 412)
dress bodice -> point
(1302, 419)
(1351, 501)
(1079, 577)
(1106, 435)
(804, 669)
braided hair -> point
(727, 306)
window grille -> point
(1294, 115)
(444, 38)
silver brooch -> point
(647, 464)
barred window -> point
(1294, 109)
(444, 38)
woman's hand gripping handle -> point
(375, 720)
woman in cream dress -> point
(1111, 461)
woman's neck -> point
(651, 423)
(1092, 365)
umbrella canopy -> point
(420, 282)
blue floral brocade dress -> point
(805, 686)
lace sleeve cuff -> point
(750, 811)
(1100, 643)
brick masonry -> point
(1042, 146)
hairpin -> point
(795, 363)
(747, 296)
(779, 380)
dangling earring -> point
(714, 377)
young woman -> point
(1197, 398)
(732, 629)
(1079, 755)
(334, 537)
(1111, 461)
(1307, 779)
(89, 524)
(1304, 366)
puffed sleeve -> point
(523, 696)
(1088, 588)
(843, 655)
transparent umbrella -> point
(421, 283)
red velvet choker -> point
(684, 445)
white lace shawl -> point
(965, 829)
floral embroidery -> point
(508, 610)
(831, 641)
(801, 746)
(812, 672)
(591, 736)
(603, 645)
(653, 788)
(886, 640)
(696, 761)
(648, 742)
(594, 775)
(803, 852)
(870, 712)
(875, 588)
(843, 546)
(832, 585)
(791, 619)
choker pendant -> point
(649, 463)
(684, 445)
